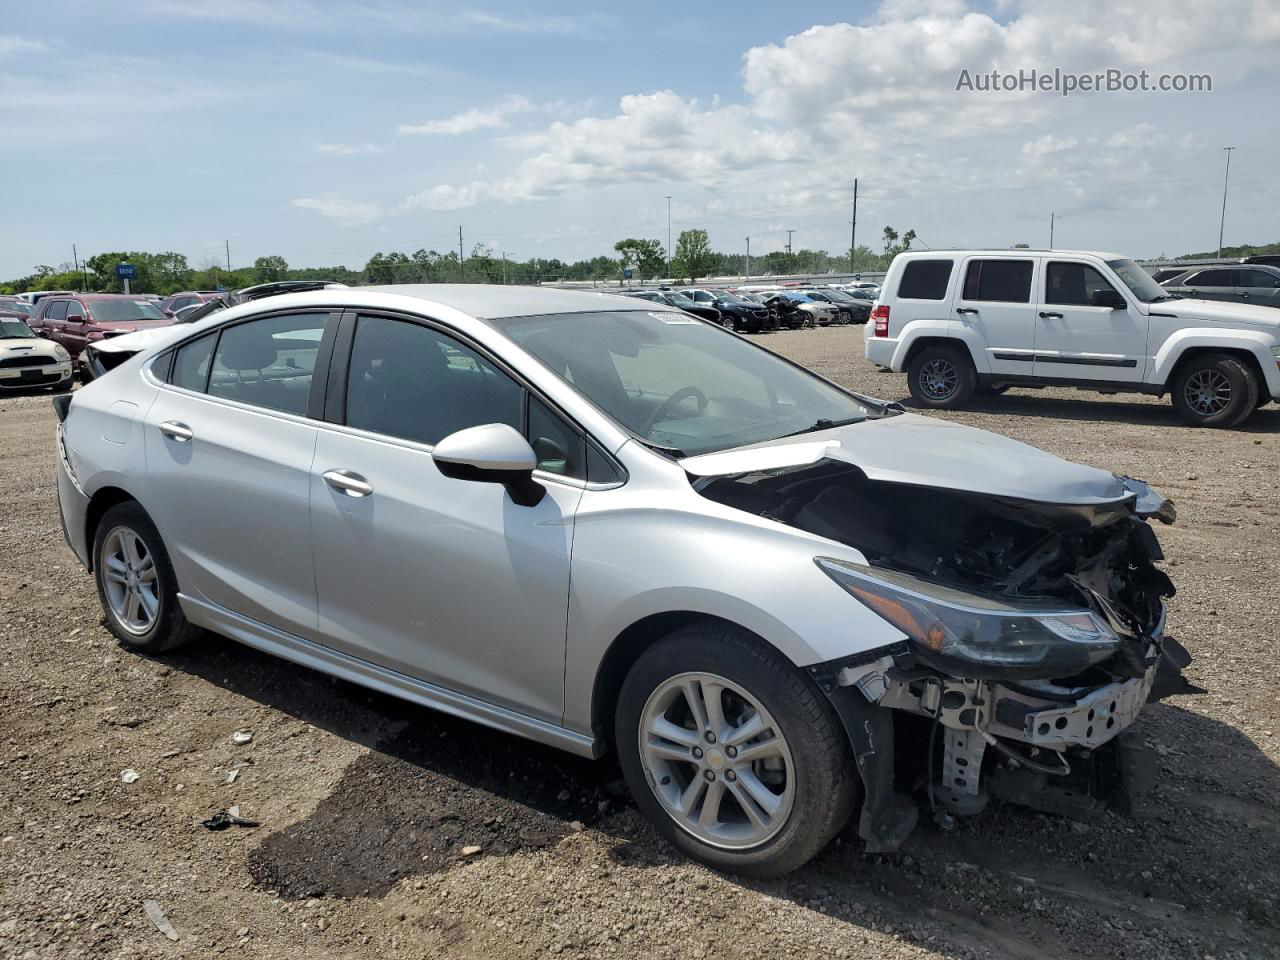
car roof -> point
(489, 301)
(1012, 251)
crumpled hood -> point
(1220, 311)
(927, 452)
(28, 347)
(140, 340)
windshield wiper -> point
(823, 424)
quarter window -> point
(407, 380)
(998, 281)
(191, 364)
(1073, 284)
(268, 362)
(925, 280)
(559, 448)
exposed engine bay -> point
(957, 732)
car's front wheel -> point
(1215, 390)
(136, 583)
(732, 753)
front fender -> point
(1255, 342)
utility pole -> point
(228, 245)
(1223, 222)
(853, 231)
(1052, 218)
(75, 258)
(462, 267)
(668, 238)
(747, 275)
(790, 265)
(504, 267)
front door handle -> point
(1244, 296)
(177, 431)
(348, 482)
(965, 310)
(1050, 316)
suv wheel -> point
(726, 321)
(136, 584)
(941, 377)
(732, 753)
(1215, 390)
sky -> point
(324, 132)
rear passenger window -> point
(1212, 278)
(410, 381)
(925, 280)
(269, 362)
(998, 281)
(191, 364)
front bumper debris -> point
(1015, 741)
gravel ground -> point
(369, 808)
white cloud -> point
(348, 149)
(294, 13)
(477, 118)
(343, 211)
(11, 45)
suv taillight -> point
(881, 317)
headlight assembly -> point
(975, 636)
(60, 352)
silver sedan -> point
(608, 525)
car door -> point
(1078, 339)
(52, 322)
(994, 307)
(229, 451)
(1216, 283)
(448, 581)
(74, 326)
(1258, 287)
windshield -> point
(11, 329)
(730, 297)
(1140, 283)
(838, 295)
(125, 311)
(680, 300)
(15, 306)
(679, 383)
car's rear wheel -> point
(1215, 390)
(136, 583)
(941, 377)
(732, 753)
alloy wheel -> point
(716, 761)
(1207, 392)
(939, 379)
(130, 581)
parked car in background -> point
(1167, 273)
(1254, 283)
(546, 511)
(795, 310)
(1267, 259)
(968, 321)
(28, 361)
(13, 305)
(851, 309)
(672, 298)
(176, 301)
(83, 318)
(35, 296)
(745, 315)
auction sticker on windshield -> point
(674, 317)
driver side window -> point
(1073, 284)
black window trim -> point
(335, 397)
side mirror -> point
(492, 453)
(1109, 298)
(74, 318)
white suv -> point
(979, 321)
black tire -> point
(941, 377)
(169, 628)
(1214, 390)
(825, 786)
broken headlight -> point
(970, 635)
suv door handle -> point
(1050, 316)
(177, 431)
(348, 482)
(1244, 296)
(965, 310)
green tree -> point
(890, 238)
(693, 255)
(646, 257)
(270, 269)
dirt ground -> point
(365, 804)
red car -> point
(185, 298)
(83, 318)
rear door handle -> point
(965, 310)
(177, 431)
(1050, 316)
(348, 482)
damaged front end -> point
(1034, 635)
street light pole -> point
(668, 237)
(853, 231)
(1223, 222)
(747, 275)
